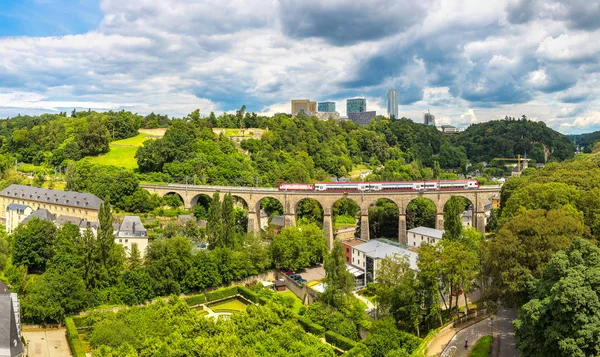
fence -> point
(469, 317)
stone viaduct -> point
(290, 199)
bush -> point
(221, 293)
(339, 341)
(248, 294)
(311, 327)
(73, 338)
(263, 300)
(195, 300)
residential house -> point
(15, 214)
(420, 235)
(367, 256)
(131, 231)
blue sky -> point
(465, 60)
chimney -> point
(133, 227)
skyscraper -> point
(428, 119)
(356, 105)
(392, 103)
(304, 105)
(327, 107)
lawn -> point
(357, 169)
(229, 305)
(482, 347)
(122, 152)
(297, 301)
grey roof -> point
(40, 213)
(87, 224)
(62, 220)
(132, 224)
(468, 214)
(379, 250)
(16, 207)
(278, 221)
(10, 341)
(429, 232)
(46, 195)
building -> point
(303, 105)
(467, 218)
(356, 105)
(496, 201)
(57, 202)
(367, 256)
(348, 246)
(420, 235)
(327, 107)
(362, 118)
(392, 103)
(428, 119)
(326, 115)
(10, 324)
(448, 129)
(15, 214)
(131, 231)
(40, 213)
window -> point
(120, 241)
(73, 210)
(414, 243)
(125, 240)
(347, 259)
(359, 262)
(352, 260)
(347, 250)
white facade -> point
(127, 243)
(132, 231)
(15, 214)
(420, 235)
(367, 257)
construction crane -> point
(518, 159)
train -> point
(438, 185)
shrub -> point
(73, 338)
(195, 300)
(221, 293)
(248, 294)
(263, 300)
(340, 341)
(311, 327)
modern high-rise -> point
(327, 107)
(303, 105)
(428, 119)
(356, 105)
(392, 103)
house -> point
(10, 324)
(467, 218)
(40, 213)
(264, 220)
(78, 204)
(279, 285)
(367, 256)
(15, 214)
(131, 231)
(496, 201)
(348, 244)
(420, 235)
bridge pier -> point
(364, 227)
(253, 222)
(290, 219)
(328, 230)
(402, 237)
(439, 221)
(480, 222)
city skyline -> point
(466, 62)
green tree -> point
(563, 319)
(452, 224)
(135, 258)
(420, 212)
(214, 225)
(298, 247)
(339, 283)
(229, 222)
(33, 244)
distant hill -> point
(508, 138)
(586, 141)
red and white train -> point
(439, 185)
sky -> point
(466, 61)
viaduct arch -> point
(289, 199)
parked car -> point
(293, 276)
(297, 277)
(289, 272)
(301, 281)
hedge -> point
(80, 321)
(221, 293)
(195, 300)
(248, 294)
(340, 341)
(73, 338)
(310, 326)
(263, 300)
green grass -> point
(122, 152)
(482, 347)
(228, 305)
(297, 301)
(344, 221)
(357, 169)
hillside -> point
(508, 138)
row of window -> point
(62, 209)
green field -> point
(122, 152)
(233, 304)
(297, 301)
(482, 347)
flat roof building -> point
(362, 118)
(367, 256)
(392, 103)
(327, 107)
(356, 105)
(420, 235)
(303, 105)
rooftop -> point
(379, 250)
(353, 242)
(132, 224)
(17, 207)
(65, 198)
(40, 213)
(426, 231)
(62, 220)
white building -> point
(131, 231)
(367, 256)
(420, 235)
(15, 214)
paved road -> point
(506, 333)
(47, 343)
(472, 334)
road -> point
(472, 334)
(47, 343)
(506, 333)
